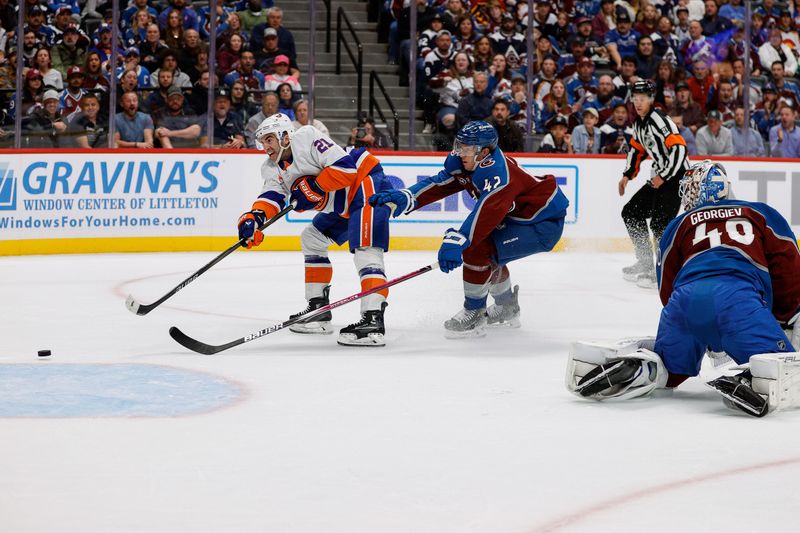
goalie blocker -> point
(628, 368)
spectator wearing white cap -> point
(586, 136)
(43, 125)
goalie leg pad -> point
(777, 376)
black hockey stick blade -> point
(200, 347)
(141, 309)
(211, 349)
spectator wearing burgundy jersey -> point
(70, 98)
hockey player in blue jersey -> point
(516, 215)
(729, 279)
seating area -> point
(471, 62)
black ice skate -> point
(321, 325)
(738, 393)
(368, 331)
(466, 323)
(505, 315)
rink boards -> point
(135, 200)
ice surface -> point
(424, 435)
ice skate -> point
(321, 325)
(368, 331)
(631, 273)
(466, 323)
(505, 315)
(738, 393)
(647, 280)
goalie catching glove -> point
(248, 228)
(621, 370)
(307, 194)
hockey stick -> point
(210, 349)
(142, 309)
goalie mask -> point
(704, 182)
(277, 124)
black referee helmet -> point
(647, 87)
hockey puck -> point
(44, 353)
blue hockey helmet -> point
(477, 133)
(704, 182)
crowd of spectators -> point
(473, 62)
(162, 71)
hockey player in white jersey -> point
(307, 167)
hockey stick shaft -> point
(142, 309)
(210, 349)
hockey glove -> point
(308, 195)
(450, 251)
(248, 228)
(400, 201)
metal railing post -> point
(412, 78)
(339, 41)
(360, 73)
(112, 89)
(212, 61)
(529, 84)
(312, 61)
(20, 83)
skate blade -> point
(350, 339)
(630, 277)
(469, 334)
(647, 284)
(513, 323)
(312, 328)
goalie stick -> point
(141, 309)
(210, 349)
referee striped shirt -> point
(656, 136)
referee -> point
(656, 136)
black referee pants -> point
(660, 206)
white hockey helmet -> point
(277, 124)
(704, 182)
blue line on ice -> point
(108, 390)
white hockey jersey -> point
(314, 154)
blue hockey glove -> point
(308, 195)
(400, 201)
(450, 251)
(248, 228)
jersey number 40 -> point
(738, 230)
